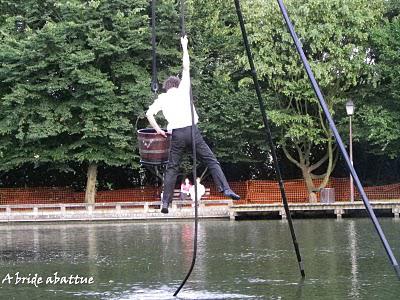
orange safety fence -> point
(251, 191)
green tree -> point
(71, 83)
(380, 121)
(334, 36)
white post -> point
(351, 160)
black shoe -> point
(231, 194)
(164, 208)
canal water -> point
(344, 259)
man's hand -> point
(184, 42)
(162, 132)
(154, 124)
(185, 58)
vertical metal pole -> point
(342, 148)
(351, 160)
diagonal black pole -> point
(269, 137)
(194, 171)
(339, 139)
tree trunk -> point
(307, 176)
(307, 167)
(91, 183)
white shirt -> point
(175, 105)
(201, 190)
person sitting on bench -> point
(185, 189)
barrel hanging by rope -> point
(269, 136)
(194, 172)
(342, 148)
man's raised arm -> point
(185, 82)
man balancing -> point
(175, 106)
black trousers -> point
(181, 141)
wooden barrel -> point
(153, 147)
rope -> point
(154, 81)
(183, 33)
(269, 137)
(342, 148)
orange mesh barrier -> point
(268, 191)
(39, 195)
(251, 191)
(385, 192)
(144, 194)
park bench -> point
(177, 195)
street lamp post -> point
(350, 111)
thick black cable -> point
(154, 80)
(194, 171)
(342, 148)
(269, 137)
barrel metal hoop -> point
(144, 151)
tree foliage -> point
(334, 36)
(380, 121)
(71, 81)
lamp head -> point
(20, 25)
(350, 108)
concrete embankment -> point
(185, 210)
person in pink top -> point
(185, 189)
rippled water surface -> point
(236, 260)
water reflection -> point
(36, 246)
(93, 254)
(166, 293)
(299, 292)
(353, 260)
